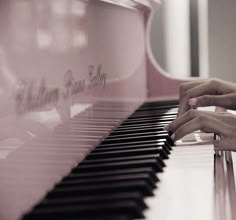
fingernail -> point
(192, 101)
(173, 137)
(166, 127)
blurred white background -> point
(196, 38)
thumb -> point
(225, 101)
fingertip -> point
(192, 101)
(166, 127)
(184, 107)
(180, 112)
(173, 137)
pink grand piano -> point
(83, 105)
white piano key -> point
(186, 187)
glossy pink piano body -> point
(58, 59)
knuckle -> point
(201, 119)
(182, 89)
(207, 100)
(192, 113)
(180, 132)
(172, 126)
(214, 82)
(202, 122)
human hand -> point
(213, 92)
(222, 124)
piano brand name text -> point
(33, 96)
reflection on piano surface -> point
(83, 105)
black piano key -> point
(108, 180)
(92, 199)
(160, 102)
(77, 180)
(139, 186)
(139, 137)
(149, 116)
(148, 120)
(157, 106)
(130, 126)
(143, 111)
(121, 165)
(130, 150)
(157, 157)
(154, 109)
(125, 140)
(152, 114)
(159, 142)
(140, 123)
(135, 134)
(127, 208)
(137, 130)
(115, 216)
(140, 127)
(143, 126)
(127, 151)
(97, 174)
(134, 144)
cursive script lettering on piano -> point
(96, 77)
(72, 86)
(32, 95)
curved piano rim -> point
(134, 4)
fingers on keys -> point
(195, 94)
(194, 120)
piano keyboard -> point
(102, 166)
(114, 179)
